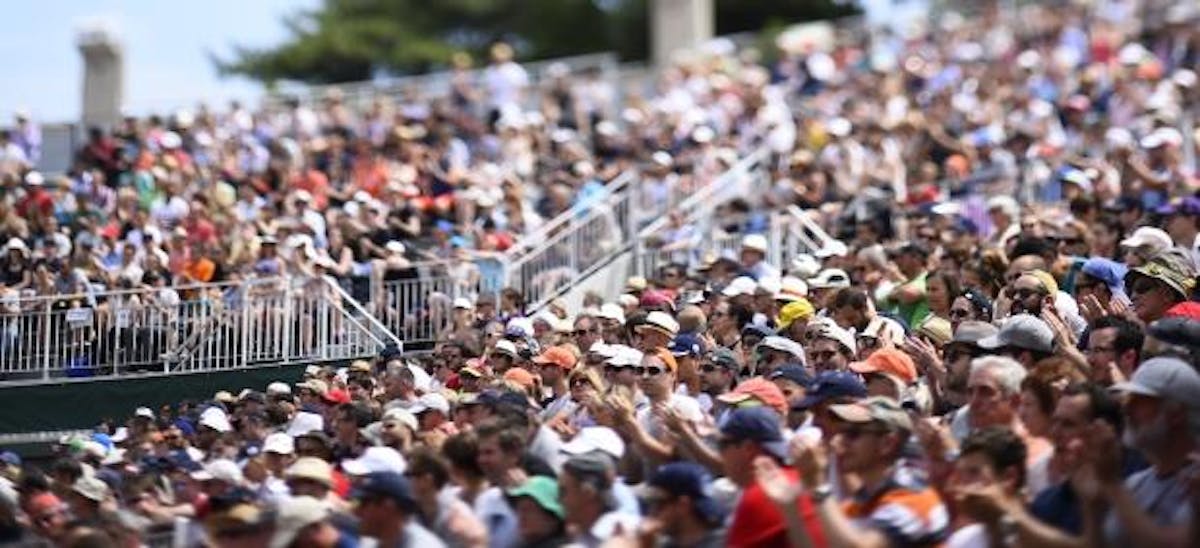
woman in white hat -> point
(15, 274)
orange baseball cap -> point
(519, 376)
(888, 361)
(760, 389)
(557, 355)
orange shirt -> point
(201, 270)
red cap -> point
(337, 395)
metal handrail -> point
(374, 322)
(620, 184)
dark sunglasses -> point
(648, 371)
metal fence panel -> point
(189, 329)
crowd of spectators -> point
(1003, 354)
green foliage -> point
(346, 40)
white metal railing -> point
(748, 177)
(439, 84)
(188, 329)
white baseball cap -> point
(305, 422)
(757, 242)
(223, 470)
(830, 278)
(376, 459)
(432, 401)
(612, 311)
(783, 344)
(595, 438)
(215, 418)
(742, 285)
(661, 321)
(1148, 236)
(280, 443)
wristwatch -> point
(821, 492)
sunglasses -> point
(617, 368)
(582, 332)
(868, 342)
(648, 371)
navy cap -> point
(10, 458)
(687, 344)
(390, 485)
(757, 329)
(1189, 205)
(499, 398)
(830, 385)
(792, 372)
(758, 424)
(689, 479)
(1124, 203)
(181, 460)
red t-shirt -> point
(756, 521)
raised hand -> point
(810, 460)
(778, 486)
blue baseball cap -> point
(1189, 205)
(792, 372)
(688, 479)
(757, 329)
(830, 385)
(757, 424)
(687, 344)
(10, 458)
(390, 485)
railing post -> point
(49, 341)
(245, 327)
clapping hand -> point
(777, 485)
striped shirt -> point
(904, 508)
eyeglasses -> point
(648, 371)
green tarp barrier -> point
(84, 404)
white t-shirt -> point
(504, 83)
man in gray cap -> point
(585, 490)
(948, 383)
(1024, 338)
(1162, 417)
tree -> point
(347, 40)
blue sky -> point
(166, 45)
